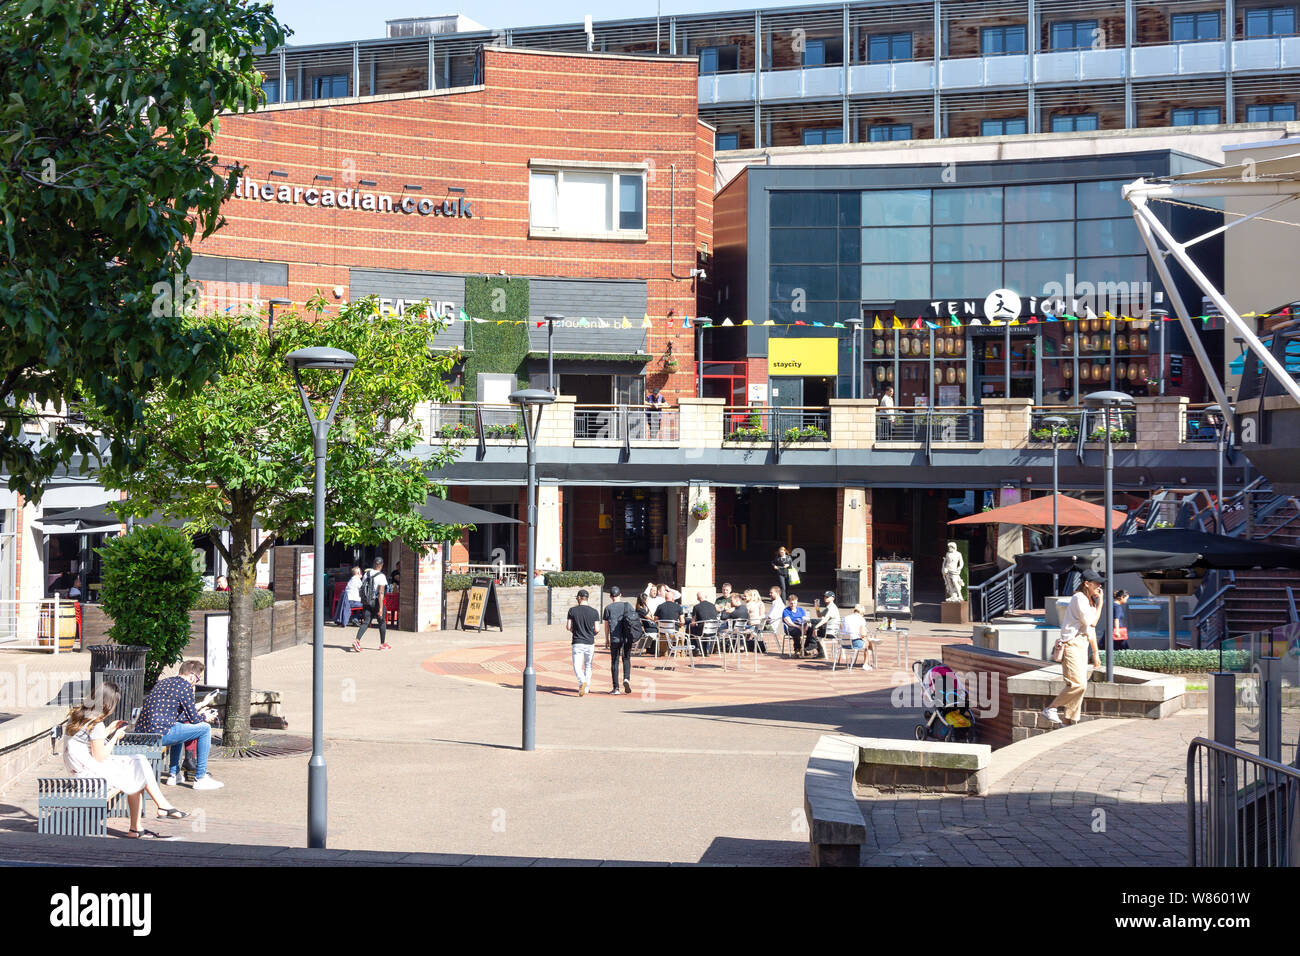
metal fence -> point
(947, 423)
(1123, 424)
(1197, 427)
(1242, 809)
(627, 422)
(787, 424)
(463, 420)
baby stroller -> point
(947, 715)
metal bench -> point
(73, 806)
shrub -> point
(574, 579)
(1116, 435)
(150, 582)
(1066, 434)
(748, 433)
(456, 582)
(805, 433)
(512, 430)
(220, 600)
(456, 430)
(1183, 661)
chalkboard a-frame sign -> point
(481, 610)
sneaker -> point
(385, 647)
(206, 782)
(356, 647)
(627, 687)
(172, 779)
(582, 690)
(616, 692)
(1051, 714)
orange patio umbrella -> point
(1037, 513)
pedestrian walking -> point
(371, 592)
(622, 631)
(581, 623)
(782, 565)
(1120, 623)
(1078, 639)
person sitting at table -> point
(795, 621)
(652, 598)
(670, 611)
(754, 611)
(703, 611)
(829, 613)
(670, 593)
(854, 626)
(723, 600)
(776, 611)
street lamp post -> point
(550, 352)
(1219, 422)
(527, 400)
(856, 367)
(341, 361)
(700, 325)
(1056, 423)
(1106, 401)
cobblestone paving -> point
(1112, 797)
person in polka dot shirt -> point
(169, 710)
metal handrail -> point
(1233, 814)
(636, 422)
(999, 593)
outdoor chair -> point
(678, 641)
(709, 635)
(846, 648)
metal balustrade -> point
(466, 420)
(929, 425)
(618, 423)
(1123, 425)
(784, 424)
(1242, 809)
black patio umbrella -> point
(96, 518)
(443, 511)
(1164, 549)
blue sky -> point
(326, 21)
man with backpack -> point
(622, 630)
(373, 586)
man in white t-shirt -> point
(374, 577)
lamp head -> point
(531, 396)
(1103, 399)
(1214, 415)
(1054, 421)
(320, 357)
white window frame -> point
(613, 170)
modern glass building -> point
(926, 257)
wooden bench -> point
(836, 830)
(81, 806)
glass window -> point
(888, 132)
(896, 245)
(850, 208)
(1031, 277)
(543, 204)
(977, 204)
(804, 208)
(1012, 126)
(1035, 203)
(967, 243)
(1270, 22)
(1271, 113)
(850, 280)
(585, 202)
(883, 47)
(725, 141)
(896, 282)
(995, 41)
(1101, 200)
(631, 201)
(851, 246)
(1131, 271)
(1039, 240)
(1196, 116)
(823, 135)
(814, 53)
(804, 245)
(806, 282)
(272, 89)
(1108, 237)
(1074, 35)
(1077, 123)
(719, 59)
(329, 87)
(896, 207)
(966, 279)
(1191, 27)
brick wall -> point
(533, 105)
(993, 668)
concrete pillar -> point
(550, 555)
(853, 516)
(698, 538)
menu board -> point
(893, 587)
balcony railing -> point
(617, 423)
(1197, 427)
(1123, 425)
(930, 425)
(463, 420)
(786, 424)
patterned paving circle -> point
(777, 678)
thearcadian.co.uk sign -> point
(246, 188)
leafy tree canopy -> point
(107, 118)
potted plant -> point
(700, 509)
(456, 430)
(748, 433)
(805, 433)
(671, 364)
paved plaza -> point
(696, 766)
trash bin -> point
(123, 665)
(848, 584)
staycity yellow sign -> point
(792, 356)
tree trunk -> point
(243, 580)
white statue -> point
(952, 568)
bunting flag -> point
(583, 323)
(626, 323)
(464, 316)
(837, 325)
(769, 322)
(686, 321)
(645, 322)
(726, 323)
(897, 324)
(953, 320)
(933, 325)
(819, 325)
(916, 324)
(877, 327)
(540, 324)
(747, 322)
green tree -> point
(149, 585)
(241, 449)
(107, 119)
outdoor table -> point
(902, 647)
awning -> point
(1164, 549)
(1280, 168)
(442, 511)
(1037, 512)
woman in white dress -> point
(88, 752)
(1079, 637)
